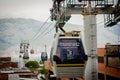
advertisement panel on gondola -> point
(70, 50)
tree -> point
(32, 65)
(44, 72)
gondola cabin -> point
(25, 56)
(31, 51)
(21, 48)
(44, 56)
(68, 56)
(20, 56)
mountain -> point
(15, 30)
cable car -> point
(44, 56)
(20, 56)
(68, 56)
(21, 48)
(31, 51)
(26, 56)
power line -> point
(47, 33)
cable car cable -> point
(42, 32)
(47, 33)
(40, 28)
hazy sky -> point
(36, 9)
